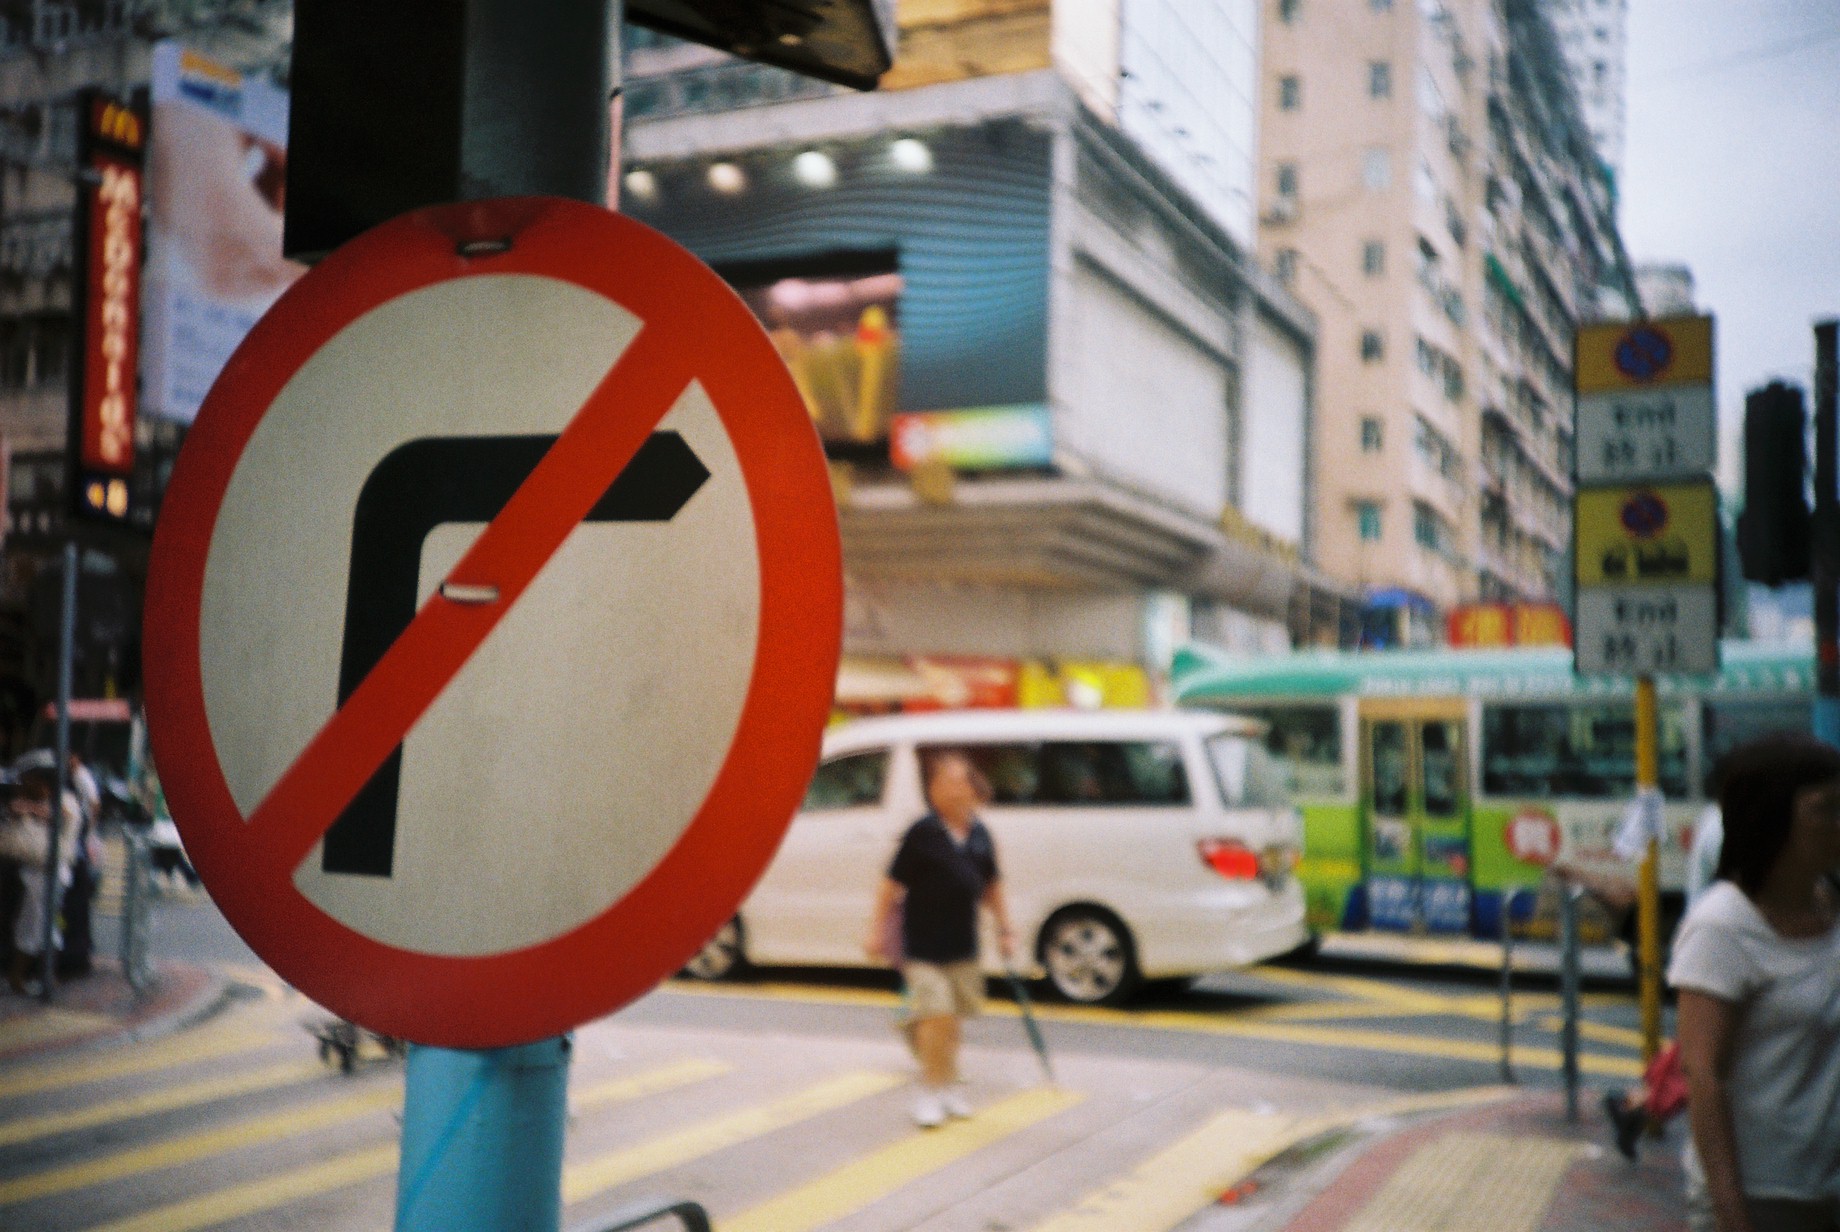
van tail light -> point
(1230, 858)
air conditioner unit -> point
(1281, 210)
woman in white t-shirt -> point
(1757, 966)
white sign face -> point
(1647, 434)
(576, 745)
(1647, 630)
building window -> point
(1372, 348)
(1380, 79)
(1367, 520)
(1373, 258)
(1284, 265)
(1371, 438)
(1380, 6)
(1287, 10)
(1290, 92)
(1425, 528)
(1287, 179)
(1377, 168)
(1453, 379)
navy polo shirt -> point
(945, 881)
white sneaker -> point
(956, 1105)
(929, 1109)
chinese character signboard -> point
(1645, 519)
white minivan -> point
(1133, 845)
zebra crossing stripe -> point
(866, 1180)
(1175, 1183)
(253, 1197)
(351, 1167)
(185, 1095)
(604, 1172)
(48, 1026)
(177, 1050)
(189, 1148)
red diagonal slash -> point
(637, 392)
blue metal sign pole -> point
(482, 1139)
(527, 107)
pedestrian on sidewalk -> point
(25, 836)
(1757, 967)
(944, 870)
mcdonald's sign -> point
(115, 123)
(104, 393)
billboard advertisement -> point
(840, 337)
(108, 278)
(218, 171)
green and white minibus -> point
(1435, 783)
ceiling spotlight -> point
(642, 184)
(726, 178)
(815, 170)
(912, 155)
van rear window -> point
(1078, 772)
(1247, 775)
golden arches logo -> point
(116, 123)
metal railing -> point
(693, 1217)
(136, 953)
(1569, 981)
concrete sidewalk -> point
(101, 1008)
(1516, 1165)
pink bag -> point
(1667, 1086)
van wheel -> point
(1089, 957)
(721, 956)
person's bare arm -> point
(1707, 1029)
(998, 906)
(881, 918)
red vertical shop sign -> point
(103, 396)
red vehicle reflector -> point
(1230, 858)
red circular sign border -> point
(552, 987)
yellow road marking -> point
(45, 1025)
(866, 1180)
(649, 1082)
(1180, 1180)
(24, 1129)
(1177, 1182)
(1237, 1025)
(252, 1197)
(1437, 1188)
(1628, 1037)
(188, 1148)
(353, 1167)
(177, 1050)
(599, 1174)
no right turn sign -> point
(493, 620)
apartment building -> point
(1067, 409)
(1594, 35)
(1430, 189)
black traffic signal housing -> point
(1773, 530)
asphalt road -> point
(780, 1101)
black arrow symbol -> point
(418, 486)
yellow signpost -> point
(1646, 538)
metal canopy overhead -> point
(845, 41)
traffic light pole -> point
(1824, 563)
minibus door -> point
(1415, 802)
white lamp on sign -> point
(815, 169)
(727, 178)
(910, 154)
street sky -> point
(1733, 167)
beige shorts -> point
(942, 990)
